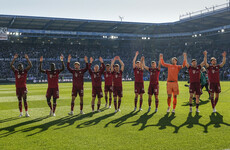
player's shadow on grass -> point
(190, 122)
(12, 129)
(9, 119)
(216, 119)
(94, 121)
(165, 121)
(202, 102)
(120, 121)
(70, 121)
(143, 119)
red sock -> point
(92, 107)
(115, 104)
(212, 102)
(156, 102)
(54, 107)
(135, 102)
(81, 106)
(106, 99)
(98, 106)
(110, 101)
(150, 101)
(72, 105)
(141, 100)
(174, 102)
(169, 101)
(216, 100)
(26, 105)
(119, 103)
(20, 105)
(50, 105)
(197, 106)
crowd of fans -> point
(126, 51)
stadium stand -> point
(50, 37)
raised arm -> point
(134, 59)
(29, 62)
(162, 61)
(186, 61)
(68, 64)
(159, 64)
(89, 67)
(62, 61)
(224, 59)
(86, 64)
(12, 63)
(122, 64)
(205, 59)
(102, 69)
(203, 62)
(40, 67)
(143, 63)
(112, 63)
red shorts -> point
(117, 91)
(195, 87)
(108, 88)
(21, 91)
(77, 90)
(214, 87)
(52, 92)
(97, 91)
(139, 88)
(153, 89)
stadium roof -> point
(204, 21)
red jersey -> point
(214, 74)
(138, 73)
(96, 76)
(78, 75)
(117, 78)
(52, 78)
(194, 74)
(154, 75)
(108, 78)
(20, 78)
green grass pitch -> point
(107, 130)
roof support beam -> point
(48, 24)
(11, 22)
(80, 26)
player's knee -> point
(54, 100)
(48, 99)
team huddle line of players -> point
(113, 81)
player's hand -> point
(205, 53)
(224, 54)
(69, 58)
(116, 58)
(91, 59)
(86, 59)
(185, 55)
(161, 56)
(15, 56)
(41, 58)
(137, 53)
(142, 58)
(100, 59)
(26, 56)
(61, 57)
